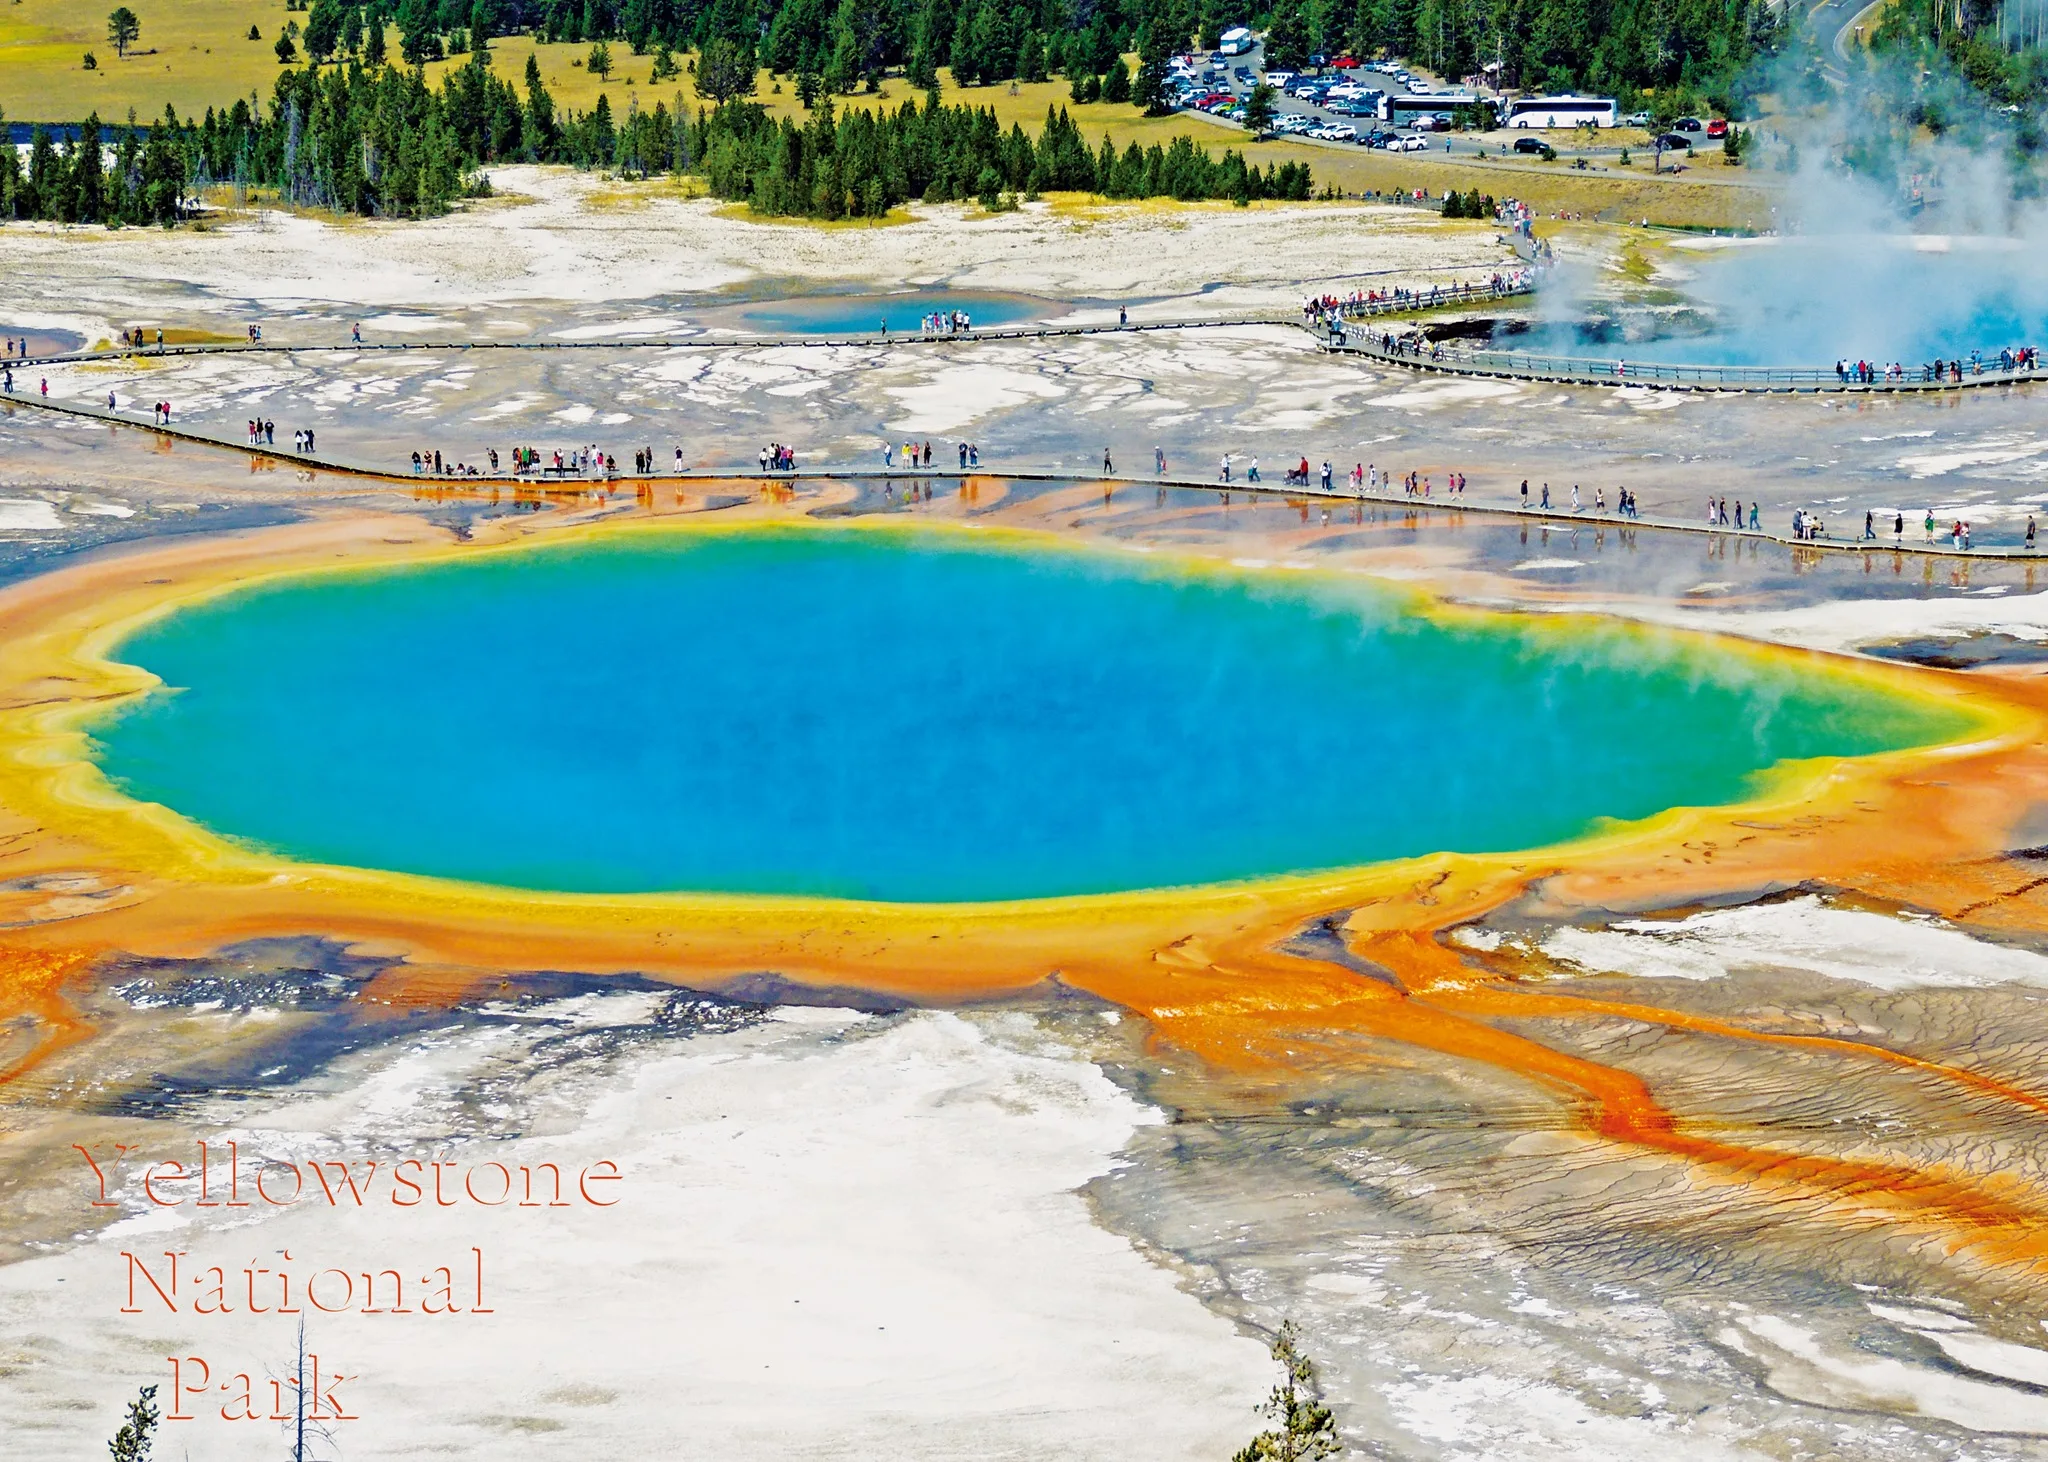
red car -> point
(1344, 63)
(1718, 127)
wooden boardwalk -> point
(1512, 365)
(1450, 298)
(1340, 494)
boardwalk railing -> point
(1582, 371)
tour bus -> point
(1235, 41)
(1401, 111)
(1561, 111)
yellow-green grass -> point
(194, 54)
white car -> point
(1335, 132)
(1281, 79)
(1344, 92)
(1407, 144)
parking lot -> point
(1335, 105)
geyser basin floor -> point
(1217, 971)
(930, 716)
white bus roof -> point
(1544, 101)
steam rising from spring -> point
(1908, 229)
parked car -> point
(1686, 124)
(1425, 124)
(1406, 144)
(1635, 119)
(1242, 73)
(1718, 127)
(1280, 79)
(1344, 63)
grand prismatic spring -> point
(672, 958)
(930, 716)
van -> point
(1235, 41)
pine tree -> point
(132, 1442)
(123, 29)
(1287, 37)
(1155, 48)
(725, 71)
(1304, 1429)
(1258, 109)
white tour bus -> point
(1235, 41)
(1561, 111)
(1402, 111)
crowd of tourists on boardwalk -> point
(1327, 309)
(593, 462)
(2011, 358)
(912, 454)
(944, 322)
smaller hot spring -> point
(1808, 302)
(898, 313)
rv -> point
(1561, 111)
(1235, 42)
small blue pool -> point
(848, 314)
